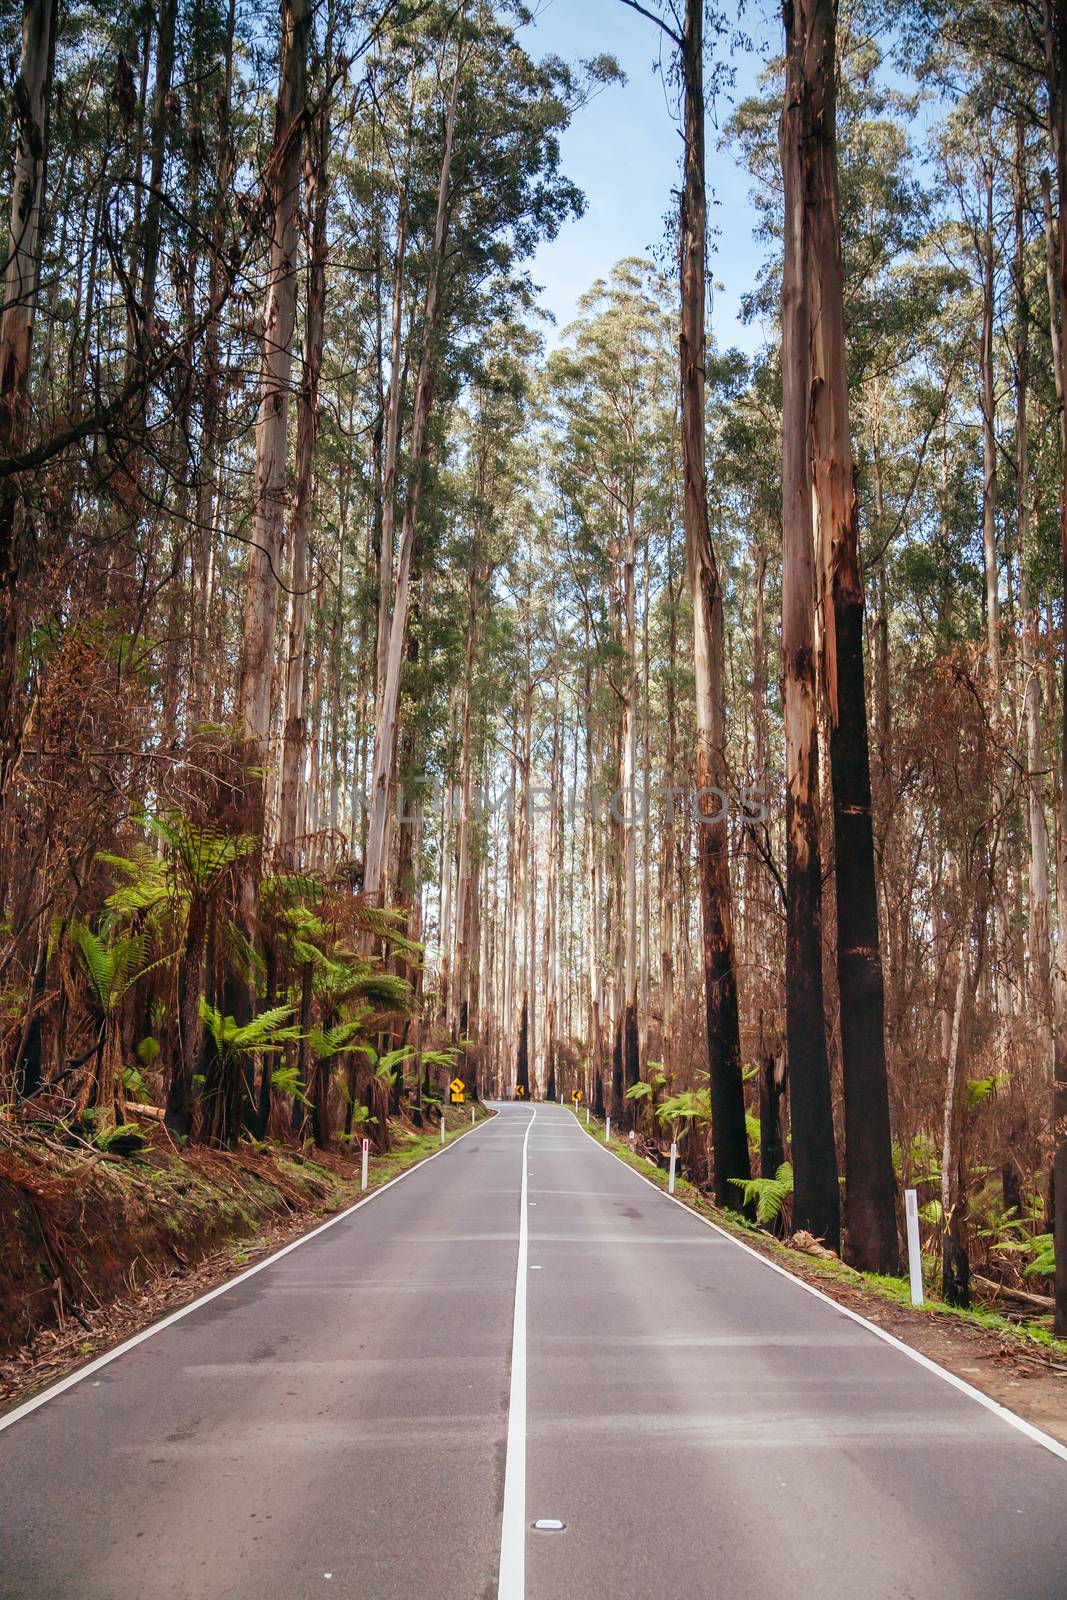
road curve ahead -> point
(367, 1417)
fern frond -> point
(769, 1194)
(286, 1080)
(328, 1042)
(265, 1031)
(1044, 1263)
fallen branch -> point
(1038, 1302)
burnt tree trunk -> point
(771, 1134)
(522, 1064)
(870, 1185)
(632, 1058)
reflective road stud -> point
(915, 1260)
(674, 1164)
(366, 1159)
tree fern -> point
(449, 1059)
(339, 983)
(325, 1043)
(769, 1194)
(203, 853)
(691, 1105)
(268, 1031)
(287, 1080)
(387, 923)
(147, 886)
(111, 965)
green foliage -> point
(148, 1051)
(286, 1080)
(113, 961)
(133, 1085)
(647, 1089)
(270, 1030)
(300, 934)
(977, 1090)
(326, 1043)
(449, 1058)
(691, 1105)
(193, 861)
(387, 923)
(342, 980)
(924, 1160)
(147, 884)
(1043, 1265)
(124, 1137)
(769, 1194)
(362, 1117)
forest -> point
(396, 687)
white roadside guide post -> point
(674, 1164)
(442, 1124)
(366, 1159)
(915, 1260)
(472, 1116)
(587, 1116)
(607, 1129)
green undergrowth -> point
(80, 1229)
(895, 1291)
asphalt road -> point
(342, 1422)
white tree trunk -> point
(385, 725)
(279, 320)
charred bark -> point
(522, 1060)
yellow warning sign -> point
(457, 1087)
(520, 1091)
(576, 1095)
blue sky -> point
(623, 152)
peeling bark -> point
(729, 1134)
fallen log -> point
(1022, 1297)
(807, 1243)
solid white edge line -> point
(72, 1378)
(511, 1579)
(1012, 1418)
